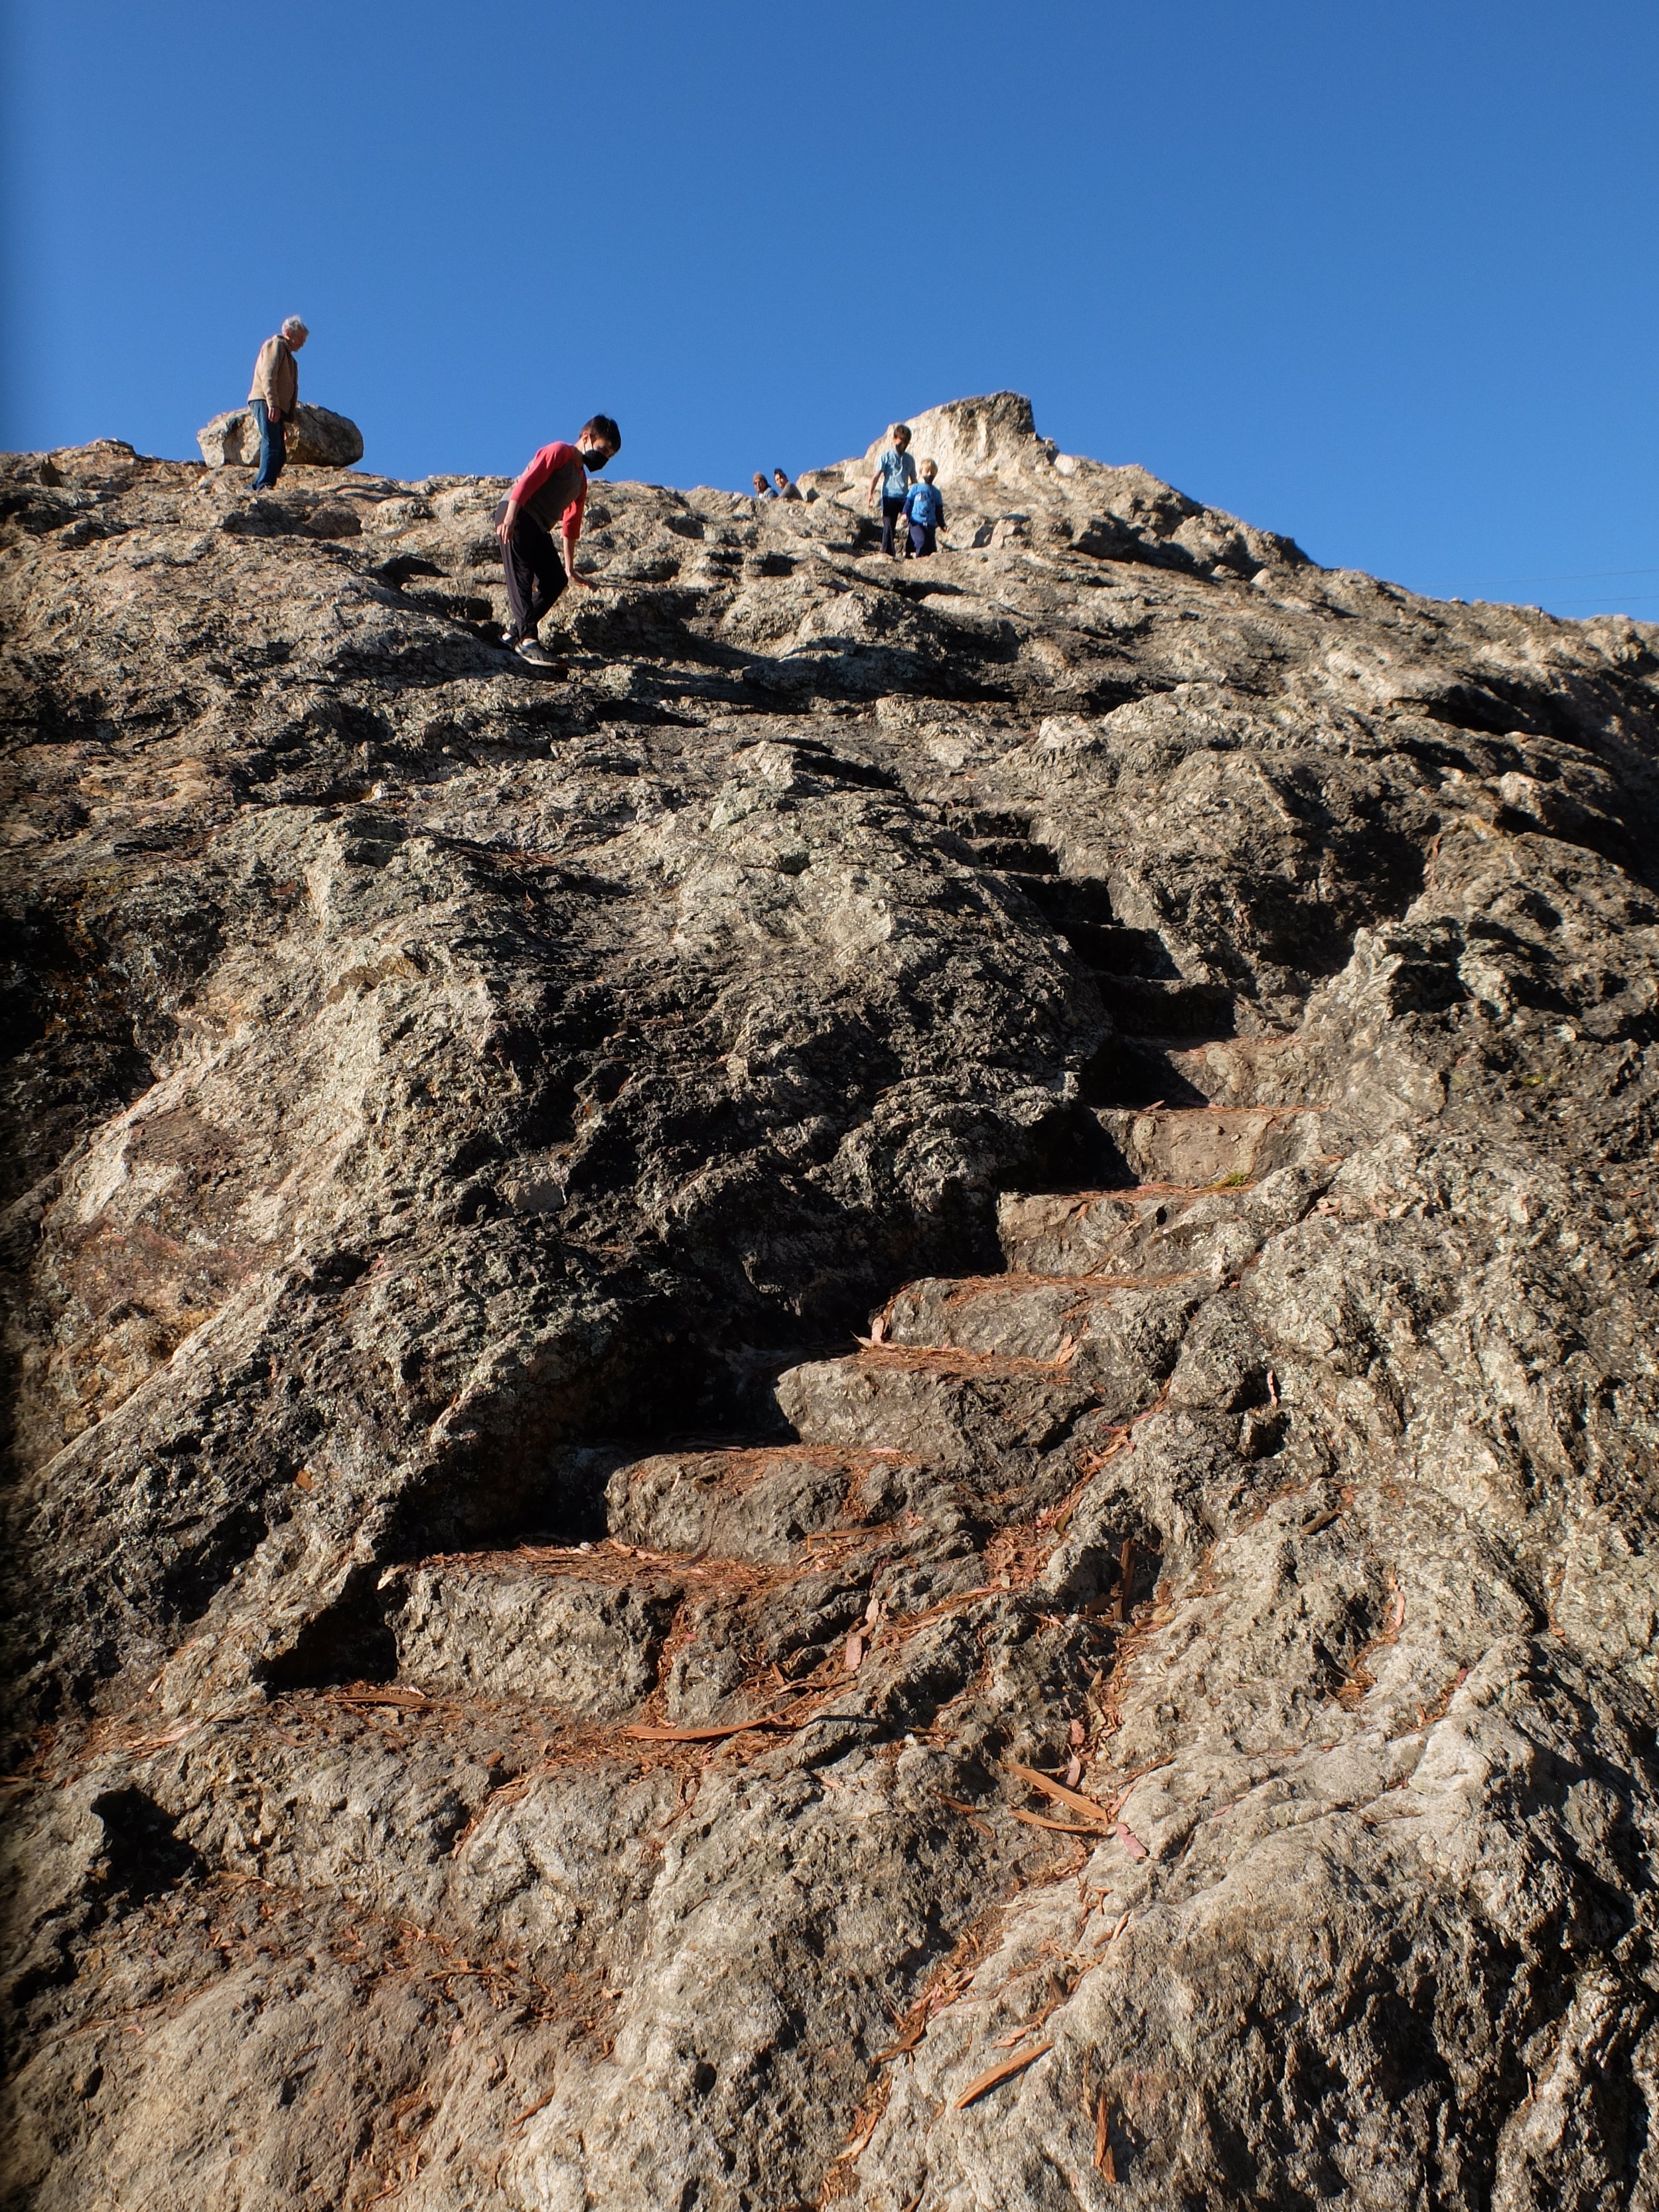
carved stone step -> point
(986, 821)
(1082, 902)
(579, 1630)
(1120, 1337)
(754, 1503)
(1123, 954)
(1014, 856)
(1160, 1230)
(962, 1413)
(1209, 1145)
(1133, 1070)
(1159, 1006)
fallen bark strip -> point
(994, 2075)
(1062, 1828)
(1105, 2163)
(970, 1814)
(656, 1735)
(1074, 1799)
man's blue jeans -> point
(273, 446)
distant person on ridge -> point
(275, 395)
(894, 474)
(552, 489)
(924, 513)
(763, 490)
(785, 489)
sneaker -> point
(532, 649)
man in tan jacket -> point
(275, 395)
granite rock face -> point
(861, 1408)
(317, 438)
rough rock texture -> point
(910, 1337)
(317, 438)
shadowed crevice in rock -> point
(143, 1855)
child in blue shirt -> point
(896, 472)
(924, 512)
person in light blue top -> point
(924, 512)
(894, 474)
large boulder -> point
(317, 438)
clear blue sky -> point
(1384, 274)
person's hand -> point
(504, 527)
(578, 583)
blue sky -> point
(1379, 273)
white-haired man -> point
(275, 395)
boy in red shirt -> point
(552, 489)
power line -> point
(1643, 600)
(1575, 576)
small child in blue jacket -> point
(924, 512)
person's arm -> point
(570, 529)
(281, 405)
(874, 481)
(264, 368)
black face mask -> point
(591, 461)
